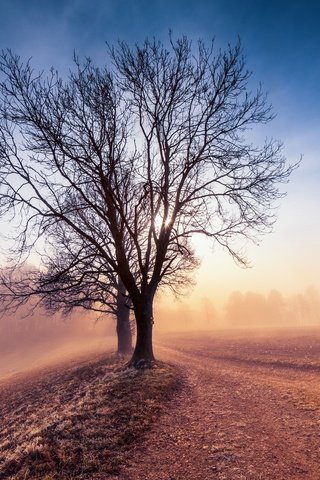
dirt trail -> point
(235, 420)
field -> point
(228, 406)
(78, 420)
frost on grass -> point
(80, 422)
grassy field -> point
(79, 421)
(86, 417)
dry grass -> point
(79, 422)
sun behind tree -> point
(108, 152)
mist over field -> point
(31, 340)
(241, 310)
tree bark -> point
(124, 333)
(143, 353)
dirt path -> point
(235, 420)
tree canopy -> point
(137, 157)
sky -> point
(281, 42)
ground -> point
(250, 411)
(247, 408)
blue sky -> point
(280, 38)
(281, 42)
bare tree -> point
(73, 275)
(138, 158)
(76, 276)
(68, 280)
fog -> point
(241, 310)
(29, 341)
(252, 309)
(32, 340)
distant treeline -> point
(274, 309)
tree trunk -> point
(124, 333)
(143, 353)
